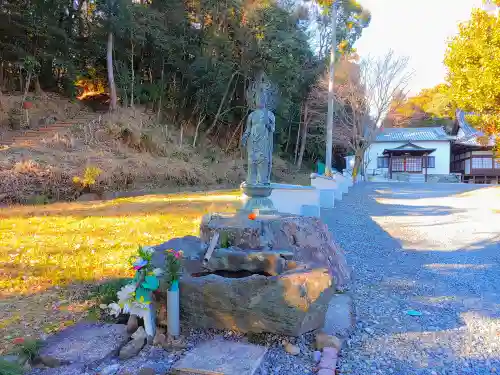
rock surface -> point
(86, 342)
(217, 357)
(75, 369)
(235, 259)
(307, 237)
(132, 324)
(292, 303)
(132, 348)
(190, 245)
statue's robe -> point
(259, 131)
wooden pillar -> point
(426, 161)
(390, 166)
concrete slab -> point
(327, 198)
(220, 357)
(291, 198)
(86, 343)
(340, 317)
(328, 183)
(310, 210)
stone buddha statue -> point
(258, 139)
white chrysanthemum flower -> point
(125, 293)
(114, 309)
(158, 272)
(139, 309)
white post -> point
(173, 321)
(329, 118)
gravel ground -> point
(430, 248)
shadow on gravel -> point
(457, 290)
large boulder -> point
(290, 303)
(308, 238)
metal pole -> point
(329, 118)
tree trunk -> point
(200, 121)
(298, 134)
(1, 75)
(38, 88)
(234, 133)
(289, 133)
(182, 134)
(221, 104)
(358, 159)
(132, 77)
(21, 85)
(302, 146)
(304, 137)
(111, 76)
(26, 88)
(161, 90)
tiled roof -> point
(412, 134)
(464, 125)
(474, 141)
(471, 135)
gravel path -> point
(429, 248)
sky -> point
(418, 29)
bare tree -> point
(363, 94)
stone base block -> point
(292, 303)
(218, 357)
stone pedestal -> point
(330, 188)
(276, 274)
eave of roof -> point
(412, 134)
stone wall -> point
(433, 178)
(449, 178)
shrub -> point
(28, 349)
(88, 181)
(106, 293)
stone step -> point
(220, 357)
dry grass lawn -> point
(51, 256)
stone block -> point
(340, 318)
(291, 303)
(86, 343)
(219, 357)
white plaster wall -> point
(442, 155)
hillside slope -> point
(129, 150)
